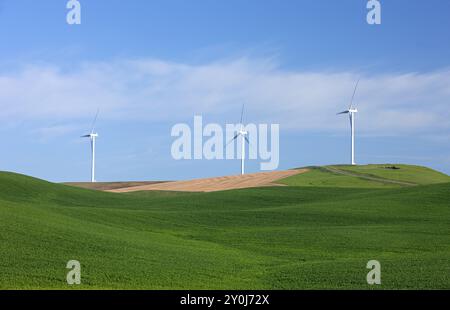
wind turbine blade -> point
(242, 114)
(354, 92)
(237, 135)
(95, 120)
(85, 136)
(344, 112)
(246, 139)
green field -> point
(318, 232)
(320, 177)
(406, 173)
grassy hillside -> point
(367, 176)
(320, 177)
(289, 237)
(406, 173)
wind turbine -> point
(92, 136)
(243, 134)
(351, 113)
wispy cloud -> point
(159, 90)
(54, 131)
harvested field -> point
(103, 186)
(216, 184)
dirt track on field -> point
(216, 184)
(104, 186)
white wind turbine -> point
(243, 134)
(92, 136)
(351, 113)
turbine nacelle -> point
(351, 110)
(91, 135)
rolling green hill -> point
(367, 176)
(404, 173)
(319, 232)
(321, 177)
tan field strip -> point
(216, 184)
(105, 186)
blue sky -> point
(151, 64)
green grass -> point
(307, 235)
(319, 177)
(406, 173)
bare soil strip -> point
(216, 184)
(104, 186)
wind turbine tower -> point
(93, 135)
(351, 113)
(243, 134)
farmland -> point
(318, 231)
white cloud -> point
(157, 90)
(54, 131)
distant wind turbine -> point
(351, 113)
(92, 136)
(243, 134)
